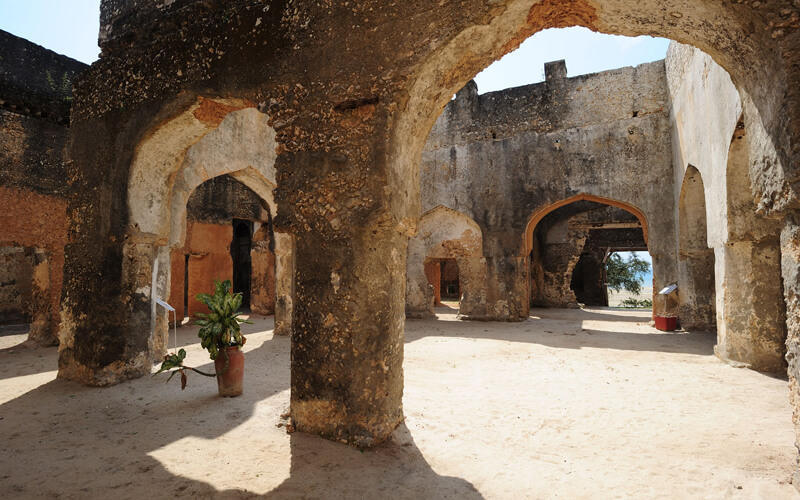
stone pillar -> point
(347, 340)
(108, 318)
(422, 286)
(507, 288)
(696, 294)
(262, 279)
(751, 314)
(177, 288)
(284, 283)
(471, 271)
(790, 267)
(41, 331)
(433, 275)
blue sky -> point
(68, 27)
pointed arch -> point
(539, 214)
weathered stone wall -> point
(16, 280)
(715, 135)
(35, 98)
(605, 135)
(221, 199)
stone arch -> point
(735, 42)
(206, 139)
(446, 234)
(209, 139)
(697, 300)
(187, 151)
(550, 275)
(538, 215)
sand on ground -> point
(568, 404)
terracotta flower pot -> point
(229, 381)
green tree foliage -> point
(626, 273)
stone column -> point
(262, 285)
(751, 314)
(284, 283)
(790, 267)
(696, 271)
(347, 340)
(421, 277)
(41, 329)
(507, 288)
(472, 276)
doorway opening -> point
(240, 254)
(572, 246)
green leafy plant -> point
(626, 273)
(636, 303)
(218, 329)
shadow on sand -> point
(563, 329)
(96, 443)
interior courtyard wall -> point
(605, 134)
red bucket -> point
(666, 323)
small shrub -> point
(637, 303)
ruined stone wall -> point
(35, 97)
(221, 199)
(715, 135)
(502, 156)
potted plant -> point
(220, 334)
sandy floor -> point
(569, 404)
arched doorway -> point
(570, 245)
(697, 296)
(445, 263)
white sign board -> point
(165, 305)
(668, 290)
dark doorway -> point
(450, 286)
(240, 253)
(186, 285)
